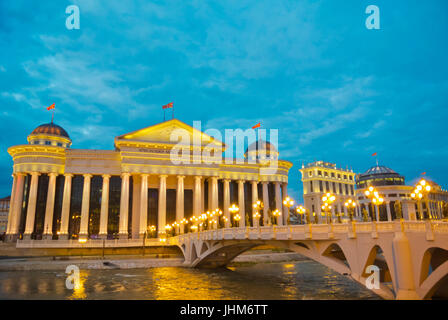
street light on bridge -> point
(377, 200)
(301, 210)
(288, 202)
(328, 200)
(258, 205)
(350, 205)
(234, 209)
(420, 194)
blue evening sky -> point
(336, 91)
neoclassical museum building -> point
(64, 193)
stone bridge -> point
(412, 256)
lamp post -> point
(276, 215)
(377, 200)
(350, 205)
(420, 194)
(328, 199)
(301, 210)
(237, 219)
(288, 202)
(234, 209)
(256, 216)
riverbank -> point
(130, 262)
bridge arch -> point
(433, 258)
(436, 285)
(334, 251)
(377, 257)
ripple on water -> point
(292, 280)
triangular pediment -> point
(164, 132)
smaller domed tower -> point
(261, 151)
(50, 134)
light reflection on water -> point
(297, 280)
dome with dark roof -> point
(261, 150)
(52, 129)
(379, 176)
(261, 145)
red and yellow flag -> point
(257, 125)
(51, 107)
(374, 154)
(168, 106)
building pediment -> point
(168, 133)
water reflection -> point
(298, 280)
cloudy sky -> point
(335, 90)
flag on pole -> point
(374, 154)
(50, 107)
(257, 125)
(168, 106)
(423, 173)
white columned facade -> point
(104, 207)
(197, 197)
(124, 206)
(285, 211)
(84, 229)
(214, 193)
(65, 214)
(226, 201)
(143, 205)
(180, 201)
(278, 203)
(31, 211)
(265, 203)
(241, 203)
(49, 209)
(16, 206)
(161, 217)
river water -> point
(288, 280)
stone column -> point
(11, 205)
(143, 205)
(161, 221)
(124, 206)
(278, 203)
(254, 200)
(214, 193)
(197, 197)
(104, 207)
(285, 211)
(49, 209)
(180, 201)
(265, 203)
(84, 229)
(31, 211)
(226, 202)
(16, 207)
(389, 214)
(377, 212)
(241, 200)
(65, 215)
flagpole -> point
(163, 115)
(52, 116)
(172, 113)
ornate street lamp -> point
(377, 200)
(288, 202)
(420, 194)
(234, 209)
(237, 219)
(328, 199)
(350, 205)
(277, 213)
(256, 216)
(301, 210)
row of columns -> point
(198, 194)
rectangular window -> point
(311, 186)
(346, 189)
(321, 187)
